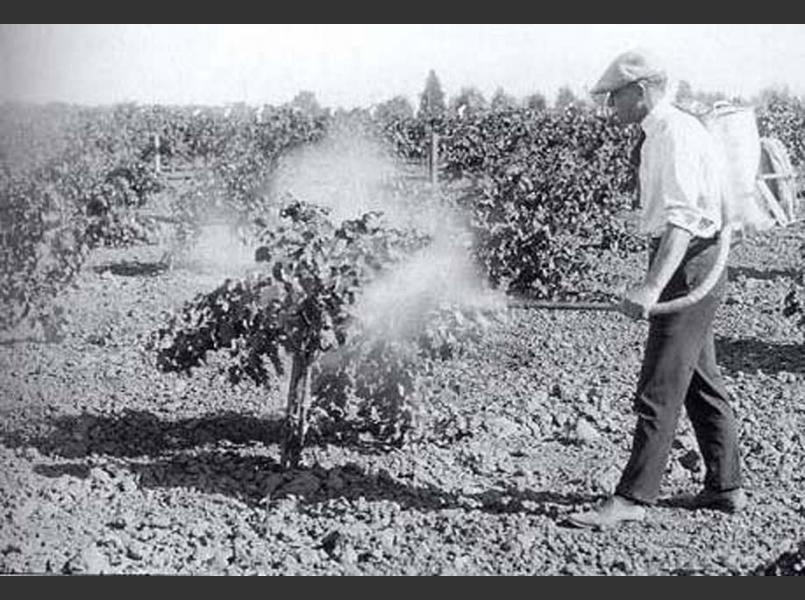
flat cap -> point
(630, 67)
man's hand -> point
(638, 302)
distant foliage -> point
(70, 179)
(469, 102)
(503, 102)
(545, 188)
(398, 108)
(546, 184)
(235, 155)
(74, 178)
(565, 98)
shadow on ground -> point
(737, 273)
(28, 339)
(133, 269)
(751, 355)
(136, 434)
(259, 480)
(222, 454)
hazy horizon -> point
(360, 65)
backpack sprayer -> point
(759, 195)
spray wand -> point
(664, 308)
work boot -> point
(613, 512)
(731, 502)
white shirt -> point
(681, 180)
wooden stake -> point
(157, 153)
(433, 165)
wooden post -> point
(296, 412)
(157, 154)
(433, 163)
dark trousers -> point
(679, 369)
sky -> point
(360, 65)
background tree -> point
(502, 102)
(468, 102)
(536, 102)
(781, 95)
(432, 104)
(396, 109)
(306, 102)
(565, 98)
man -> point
(681, 195)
